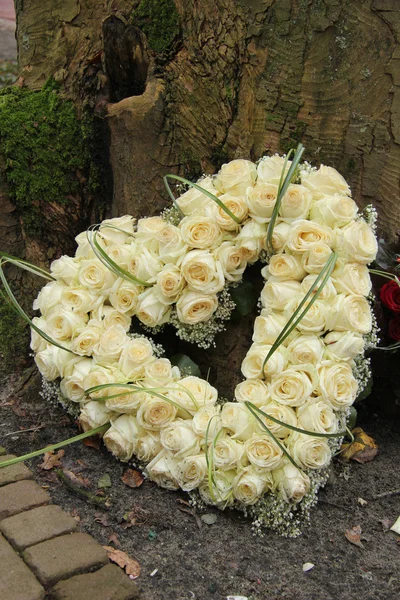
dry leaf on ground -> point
(51, 460)
(114, 540)
(354, 536)
(76, 478)
(130, 565)
(132, 478)
(363, 449)
(92, 442)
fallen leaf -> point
(131, 566)
(132, 478)
(92, 442)
(76, 478)
(75, 515)
(363, 449)
(104, 481)
(51, 460)
(396, 526)
(209, 518)
(114, 540)
(354, 536)
(102, 519)
(308, 566)
(386, 524)
(137, 516)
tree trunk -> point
(219, 79)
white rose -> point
(252, 365)
(38, 343)
(228, 453)
(106, 316)
(315, 259)
(337, 384)
(238, 207)
(294, 386)
(62, 323)
(136, 354)
(113, 236)
(327, 293)
(283, 413)
(343, 345)
(120, 439)
(148, 227)
(192, 471)
(84, 249)
(207, 421)
(148, 446)
(235, 177)
(72, 386)
(250, 240)
(159, 372)
(249, 485)
(238, 420)
(268, 327)
(150, 310)
(305, 235)
(285, 266)
(49, 297)
(316, 415)
(196, 307)
(80, 299)
(119, 254)
(200, 232)
(326, 181)
(252, 390)
(295, 203)
(309, 452)
(121, 401)
(349, 312)
(163, 470)
(46, 363)
(231, 260)
(170, 283)
(221, 490)
(280, 235)
(306, 349)
(66, 268)
(261, 200)
(276, 293)
(103, 376)
(195, 201)
(171, 247)
(358, 242)
(291, 483)
(110, 345)
(94, 414)
(95, 276)
(124, 296)
(334, 211)
(143, 265)
(156, 413)
(202, 272)
(263, 452)
(270, 168)
(192, 392)
(314, 320)
(180, 439)
(352, 278)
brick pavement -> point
(43, 556)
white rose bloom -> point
(94, 414)
(250, 239)
(238, 207)
(192, 471)
(124, 296)
(228, 453)
(334, 211)
(62, 323)
(324, 182)
(170, 283)
(207, 421)
(252, 390)
(150, 310)
(349, 312)
(38, 343)
(315, 259)
(252, 365)
(163, 470)
(196, 307)
(327, 293)
(113, 236)
(171, 247)
(249, 485)
(160, 372)
(120, 439)
(125, 402)
(136, 354)
(156, 414)
(291, 483)
(285, 266)
(148, 446)
(107, 316)
(352, 278)
(314, 320)
(343, 345)
(309, 452)
(231, 260)
(95, 276)
(267, 327)
(66, 268)
(270, 168)
(180, 439)
(65, 360)
(72, 387)
(337, 384)
(306, 349)
(295, 203)
(235, 177)
(282, 413)
(86, 340)
(261, 200)
(306, 235)
(102, 376)
(148, 228)
(84, 249)
(294, 386)
(192, 392)
(317, 415)
(49, 297)
(263, 452)
(238, 420)
(200, 232)
(80, 299)
(202, 272)
(358, 242)
(221, 493)
(277, 293)
(110, 345)
(279, 237)
(195, 201)
(143, 265)
(46, 363)
(119, 254)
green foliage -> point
(159, 21)
(186, 364)
(42, 145)
(245, 297)
(13, 335)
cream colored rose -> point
(124, 296)
(202, 272)
(148, 446)
(221, 489)
(49, 297)
(238, 207)
(352, 278)
(349, 312)
(103, 376)
(120, 439)
(334, 211)
(46, 363)
(235, 177)
(170, 283)
(291, 483)
(119, 254)
(263, 452)
(95, 276)
(121, 401)
(270, 168)
(110, 345)
(72, 387)
(207, 421)
(228, 453)
(252, 390)
(358, 242)
(277, 293)
(149, 227)
(285, 266)
(200, 232)
(156, 413)
(94, 414)
(62, 323)
(327, 293)
(267, 327)
(343, 345)
(192, 471)
(306, 349)
(231, 260)
(163, 470)
(118, 236)
(106, 316)
(294, 386)
(196, 307)
(84, 249)
(238, 420)
(326, 181)
(280, 412)
(192, 392)
(180, 439)
(66, 268)
(306, 235)
(171, 247)
(309, 452)
(315, 259)
(337, 384)
(317, 415)
(252, 365)
(249, 485)
(295, 203)
(280, 235)
(80, 299)
(150, 310)
(38, 343)
(195, 201)
(250, 240)
(160, 372)
(261, 200)
(143, 264)
(315, 319)
(136, 354)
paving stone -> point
(64, 557)
(13, 473)
(16, 580)
(109, 583)
(20, 496)
(37, 525)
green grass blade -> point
(391, 347)
(27, 266)
(200, 189)
(385, 274)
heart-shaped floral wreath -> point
(266, 452)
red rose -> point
(394, 328)
(390, 296)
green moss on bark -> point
(159, 21)
(14, 336)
